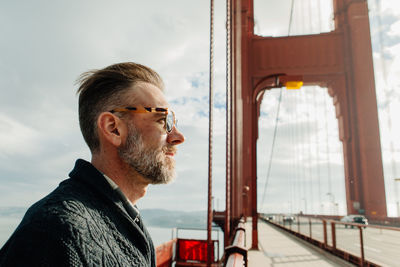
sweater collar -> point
(85, 172)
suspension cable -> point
(228, 123)
(273, 146)
(291, 18)
(210, 135)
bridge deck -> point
(277, 248)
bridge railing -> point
(165, 253)
(363, 245)
(236, 254)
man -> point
(91, 218)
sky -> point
(46, 45)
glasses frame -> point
(141, 109)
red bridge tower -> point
(340, 60)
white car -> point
(288, 218)
(354, 218)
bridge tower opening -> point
(299, 155)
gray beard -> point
(150, 162)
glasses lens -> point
(169, 121)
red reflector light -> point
(196, 250)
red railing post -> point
(361, 246)
(333, 228)
(325, 234)
(298, 224)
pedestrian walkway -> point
(278, 248)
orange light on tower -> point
(291, 82)
(293, 85)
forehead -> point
(147, 95)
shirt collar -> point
(115, 186)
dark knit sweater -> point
(83, 222)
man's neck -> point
(131, 183)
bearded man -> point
(91, 219)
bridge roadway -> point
(277, 248)
(381, 246)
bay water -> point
(159, 235)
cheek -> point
(153, 135)
(155, 140)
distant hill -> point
(152, 217)
(171, 219)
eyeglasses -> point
(170, 120)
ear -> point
(111, 129)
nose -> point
(175, 137)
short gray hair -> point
(102, 90)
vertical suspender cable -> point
(310, 159)
(277, 116)
(228, 124)
(310, 16)
(319, 16)
(210, 135)
(317, 149)
(387, 97)
(286, 132)
(291, 18)
(303, 152)
(273, 146)
(293, 169)
(298, 150)
(293, 147)
(295, 151)
(303, 18)
(380, 40)
(292, 176)
(328, 159)
(306, 152)
(316, 121)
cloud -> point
(273, 18)
(16, 138)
